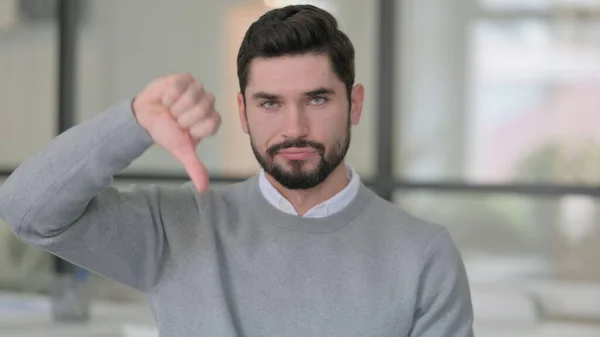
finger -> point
(206, 128)
(193, 166)
(193, 94)
(176, 87)
(198, 113)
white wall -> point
(129, 43)
(27, 91)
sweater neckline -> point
(334, 222)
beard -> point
(296, 177)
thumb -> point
(193, 166)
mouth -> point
(297, 153)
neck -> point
(304, 200)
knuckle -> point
(182, 82)
(185, 77)
(197, 92)
(199, 111)
(210, 98)
(189, 97)
(176, 91)
(186, 120)
(180, 108)
(199, 87)
(214, 123)
(182, 122)
(206, 102)
(198, 132)
(172, 94)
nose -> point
(296, 123)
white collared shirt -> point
(324, 209)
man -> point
(302, 249)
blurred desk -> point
(537, 308)
(30, 316)
(542, 330)
(507, 311)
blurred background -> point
(481, 115)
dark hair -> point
(296, 30)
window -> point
(120, 52)
(538, 5)
(505, 92)
(511, 237)
(533, 109)
(515, 95)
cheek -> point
(261, 135)
(329, 130)
(266, 129)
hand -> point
(178, 114)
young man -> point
(302, 249)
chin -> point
(300, 166)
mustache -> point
(295, 143)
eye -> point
(269, 104)
(318, 100)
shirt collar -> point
(324, 209)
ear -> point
(357, 98)
(242, 112)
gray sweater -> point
(227, 263)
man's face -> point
(298, 116)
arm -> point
(444, 302)
(61, 200)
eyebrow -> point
(320, 91)
(265, 95)
(273, 97)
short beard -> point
(295, 178)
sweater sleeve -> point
(444, 306)
(61, 200)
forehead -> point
(291, 73)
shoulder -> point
(403, 233)
(225, 198)
(227, 193)
(428, 244)
(402, 223)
